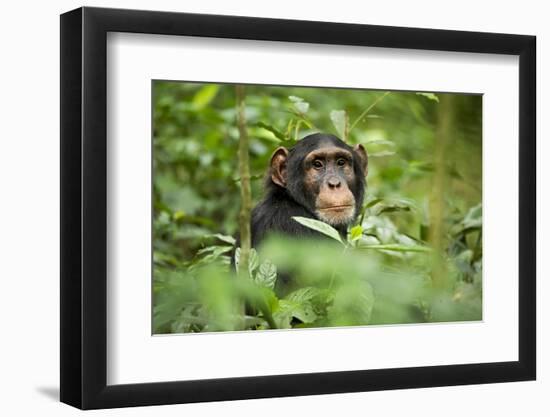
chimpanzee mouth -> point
(336, 215)
(337, 208)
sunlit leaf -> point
(356, 232)
(381, 154)
(380, 142)
(204, 96)
(225, 238)
(299, 103)
(339, 120)
(422, 166)
(320, 227)
(276, 132)
(178, 215)
(215, 250)
(430, 96)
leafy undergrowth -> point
(374, 275)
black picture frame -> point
(84, 207)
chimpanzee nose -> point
(334, 182)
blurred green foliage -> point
(381, 273)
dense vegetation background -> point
(415, 254)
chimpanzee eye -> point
(341, 162)
(317, 164)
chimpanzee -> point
(320, 177)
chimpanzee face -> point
(328, 175)
(325, 175)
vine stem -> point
(362, 115)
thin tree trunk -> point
(437, 200)
(244, 173)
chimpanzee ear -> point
(278, 166)
(363, 156)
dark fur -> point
(274, 213)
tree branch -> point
(244, 173)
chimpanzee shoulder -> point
(274, 215)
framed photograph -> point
(258, 208)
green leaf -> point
(356, 232)
(392, 209)
(178, 215)
(430, 96)
(303, 294)
(276, 132)
(398, 248)
(305, 303)
(253, 262)
(368, 240)
(373, 202)
(299, 103)
(381, 154)
(339, 120)
(390, 206)
(380, 142)
(422, 166)
(215, 250)
(225, 238)
(204, 96)
(474, 214)
(304, 312)
(163, 218)
(472, 220)
(252, 177)
(320, 227)
(163, 258)
(288, 308)
(353, 304)
(266, 275)
(237, 258)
